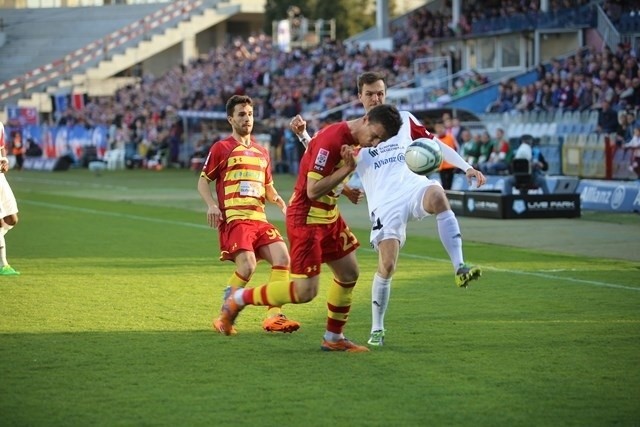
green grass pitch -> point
(109, 324)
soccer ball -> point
(423, 156)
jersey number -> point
(348, 239)
(273, 234)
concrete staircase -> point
(93, 77)
(99, 80)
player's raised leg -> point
(276, 320)
(435, 200)
(271, 294)
(278, 256)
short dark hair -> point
(235, 100)
(370, 77)
(388, 116)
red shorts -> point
(312, 245)
(246, 235)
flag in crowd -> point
(22, 115)
(61, 103)
(77, 101)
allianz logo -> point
(379, 163)
(614, 198)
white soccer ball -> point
(423, 156)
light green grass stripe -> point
(74, 184)
(535, 274)
(408, 255)
(112, 214)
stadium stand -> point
(40, 36)
(559, 105)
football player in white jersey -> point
(396, 195)
(8, 208)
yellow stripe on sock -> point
(237, 281)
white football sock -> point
(332, 336)
(450, 236)
(237, 297)
(3, 250)
(380, 292)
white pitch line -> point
(535, 274)
(112, 214)
(403, 254)
(74, 184)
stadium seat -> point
(535, 130)
(557, 116)
(582, 140)
(552, 128)
(527, 128)
(571, 140)
(584, 116)
(576, 117)
(602, 140)
(564, 128)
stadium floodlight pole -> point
(382, 18)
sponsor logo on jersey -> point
(399, 158)
(321, 159)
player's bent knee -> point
(387, 268)
(306, 293)
(11, 220)
(283, 261)
(349, 278)
(435, 200)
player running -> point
(241, 170)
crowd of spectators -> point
(476, 17)
(319, 78)
(607, 82)
(282, 85)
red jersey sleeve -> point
(418, 130)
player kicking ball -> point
(395, 195)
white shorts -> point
(8, 204)
(389, 221)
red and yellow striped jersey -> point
(241, 175)
(321, 159)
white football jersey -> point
(382, 170)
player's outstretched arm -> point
(451, 156)
(479, 176)
(299, 126)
